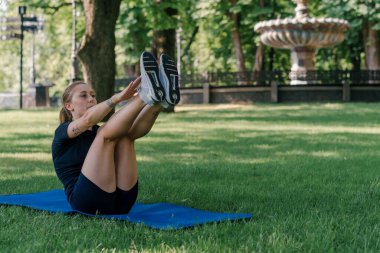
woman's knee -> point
(134, 135)
(105, 136)
(126, 141)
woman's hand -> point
(128, 92)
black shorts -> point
(89, 198)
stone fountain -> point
(303, 35)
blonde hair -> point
(65, 115)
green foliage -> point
(132, 34)
(53, 44)
(357, 13)
(308, 173)
(9, 65)
(205, 26)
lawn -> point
(309, 174)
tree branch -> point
(195, 31)
(51, 10)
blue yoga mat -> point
(159, 215)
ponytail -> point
(65, 115)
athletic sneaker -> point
(169, 79)
(150, 91)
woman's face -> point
(83, 98)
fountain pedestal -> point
(302, 61)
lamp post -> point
(13, 28)
(21, 12)
(178, 42)
(32, 62)
(74, 60)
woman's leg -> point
(126, 164)
(125, 155)
(144, 121)
(99, 166)
(125, 159)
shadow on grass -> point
(201, 162)
(19, 184)
(24, 143)
(327, 114)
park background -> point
(213, 37)
(307, 172)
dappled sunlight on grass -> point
(265, 146)
(145, 158)
(32, 156)
(325, 154)
(19, 132)
(305, 171)
(321, 114)
(293, 152)
(200, 108)
(285, 127)
(193, 148)
(311, 129)
(307, 154)
(253, 160)
(28, 175)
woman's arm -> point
(96, 113)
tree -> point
(259, 56)
(164, 37)
(234, 15)
(371, 36)
(132, 37)
(52, 56)
(363, 37)
(213, 31)
(97, 50)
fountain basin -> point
(306, 32)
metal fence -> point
(233, 78)
(265, 78)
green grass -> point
(309, 174)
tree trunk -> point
(191, 40)
(259, 56)
(371, 47)
(164, 42)
(271, 58)
(355, 59)
(97, 51)
(238, 50)
(235, 34)
(236, 40)
(130, 70)
(258, 66)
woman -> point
(97, 165)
